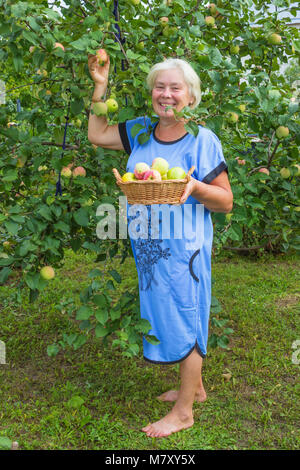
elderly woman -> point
(174, 272)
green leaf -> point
(4, 274)
(10, 175)
(116, 276)
(136, 129)
(100, 331)
(75, 402)
(84, 313)
(192, 128)
(152, 339)
(53, 350)
(143, 138)
(81, 217)
(5, 443)
(101, 316)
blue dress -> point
(172, 246)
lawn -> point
(94, 398)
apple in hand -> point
(140, 169)
(152, 175)
(102, 57)
(160, 164)
(176, 173)
(128, 177)
(47, 272)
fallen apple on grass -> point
(47, 273)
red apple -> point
(79, 171)
(264, 170)
(102, 56)
(58, 44)
(140, 169)
(152, 175)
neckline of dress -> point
(167, 142)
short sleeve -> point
(211, 161)
(125, 133)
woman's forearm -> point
(213, 197)
(97, 125)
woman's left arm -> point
(216, 196)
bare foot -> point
(171, 423)
(172, 395)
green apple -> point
(234, 49)
(100, 108)
(209, 20)
(128, 177)
(282, 132)
(298, 169)
(228, 216)
(233, 117)
(47, 272)
(213, 9)
(112, 105)
(67, 172)
(242, 107)
(163, 20)
(161, 165)
(285, 173)
(176, 173)
(134, 2)
(274, 39)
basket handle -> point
(191, 170)
(117, 175)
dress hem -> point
(196, 346)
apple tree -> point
(53, 179)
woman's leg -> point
(172, 395)
(181, 415)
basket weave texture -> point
(153, 192)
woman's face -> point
(170, 89)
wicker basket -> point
(153, 192)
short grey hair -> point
(191, 78)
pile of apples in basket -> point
(158, 171)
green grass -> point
(255, 409)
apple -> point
(274, 39)
(285, 173)
(242, 107)
(160, 164)
(264, 170)
(213, 9)
(240, 162)
(152, 175)
(47, 272)
(31, 49)
(209, 20)
(100, 108)
(67, 172)
(41, 168)
(140, 46)
(102, 56)
(163, 20)
(228, 216)
(112, 105)
(7, 245)
(48, 92)
(298, 169)
(128, 177)
(140, 169)
(176, 173)
(164, 177)
(297, 208)
(79, 171)
(234, 49)
(134, 2)
(58, 44)
(282, 132)
(233, 117)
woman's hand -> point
(98, 73)
(189, 189)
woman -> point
(174, 273)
